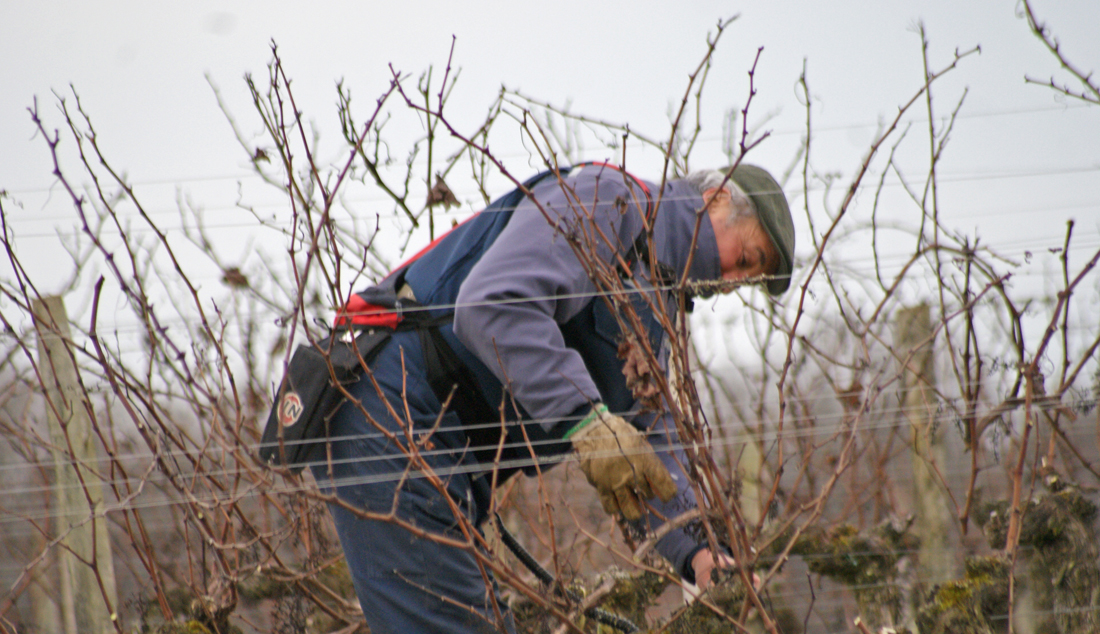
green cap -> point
(771, 208)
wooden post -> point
(87, 569)
(44, 590)
(934, 521)
(752, 459)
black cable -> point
(521, 553)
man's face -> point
(744, 248)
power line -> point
(842, 428)
(379, 198)
(988, 114)
(853, 266)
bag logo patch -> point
(290, 409)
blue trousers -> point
(406, 583)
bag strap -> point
(449, 379)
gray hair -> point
(740, 204)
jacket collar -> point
(681, 206)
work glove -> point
(618, 461)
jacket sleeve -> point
(527, 284)
(530, 281)
(679, 545)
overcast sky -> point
(1021, 161)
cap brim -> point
(774, 215)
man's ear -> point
(716, 199)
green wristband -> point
(597, 409)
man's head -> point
(752, 224)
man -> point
(530, 366)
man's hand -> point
(704, 563)
(618, 461)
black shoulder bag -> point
(309, 396)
